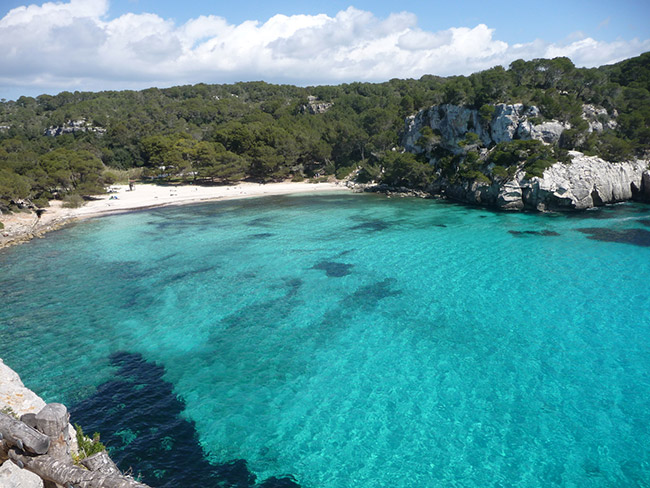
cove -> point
(345, 340)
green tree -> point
(404, 169)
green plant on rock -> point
(87, 446)
(500, 172)
(8, 410)
(471, 139)
(486, 113)
(470, 168)
(534, 156)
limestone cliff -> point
(504, 123)
(586, 182)
(578, 183)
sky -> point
(94, 45)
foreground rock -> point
(14, 397)
(37, 444)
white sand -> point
(22, 226)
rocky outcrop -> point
(453, 122)
(315, 106)
(18, 401)
(598, 118)
(586, 182)
(507, 122)
(37, 444)
(72, 126)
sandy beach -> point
(22, 226)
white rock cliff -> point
(453, 122)
(585, 182)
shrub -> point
(41, 202)
(471, 138)
(72, 201)
(404, 169)
(474, 174)
(343, 172)
(486, 113)
(329, 168)
(368, 173)
(109, 177)
(88, 446)
(614, 148)
(8, 410)
(499, 172)
(534, 155)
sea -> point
(345, 340)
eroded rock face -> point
(509, 121)
(548, 132)
(510, 196)
(643, 194)
(587, 182)
(453, 122)
(597, 118)
(73, 126)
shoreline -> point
(21, 227)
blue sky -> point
(551, 19)
(132, 44)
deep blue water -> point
(345, 341)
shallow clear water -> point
(354, 340)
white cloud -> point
(69, 46)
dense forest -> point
(74, 144)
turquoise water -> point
(358, 341)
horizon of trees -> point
(265, 132)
